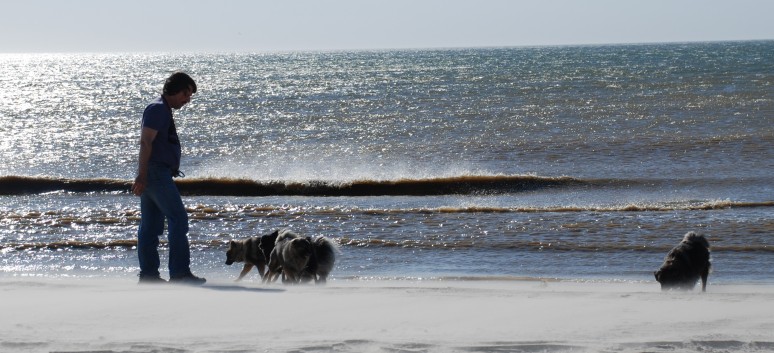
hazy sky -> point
(282, 25)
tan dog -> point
(252, 251)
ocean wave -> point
(453, 185)
(240, 213)
(534, 246)
(21, 185)
(18, 185)
(451, 245)
(647, 207)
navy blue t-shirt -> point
(166, 145)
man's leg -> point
(167, 198)
(151, 227)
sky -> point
(313, 25)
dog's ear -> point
(232, 244)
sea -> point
(575, 163)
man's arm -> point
(146, 145)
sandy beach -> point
(117, 315)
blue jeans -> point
(161, 200)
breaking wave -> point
(18, 185)
(462, 185)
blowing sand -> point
(117, 315)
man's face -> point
(180, 99)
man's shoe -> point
(151, 279)
(188, 278)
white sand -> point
(112, 315)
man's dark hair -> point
(177, 82)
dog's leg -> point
(271, 275)
(245, 270)
(704, 275)
(276, 275)
(289, 277)
(274, 266)
(261, 269)
(267, 278)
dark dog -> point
(685, 264)
(322, 260)
(290, 256)
(252, 251)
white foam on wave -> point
(330, 169)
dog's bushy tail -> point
(325, 252)
(696, 238)
(327, 244)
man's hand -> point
(139, 186)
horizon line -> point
(417, 48)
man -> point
(159, 161)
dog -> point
(289, 257)
(323, 258)
(685, 264)
(253, 251)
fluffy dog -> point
(322, 260)
(252, 251)
(290, 256)
(685, 264)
